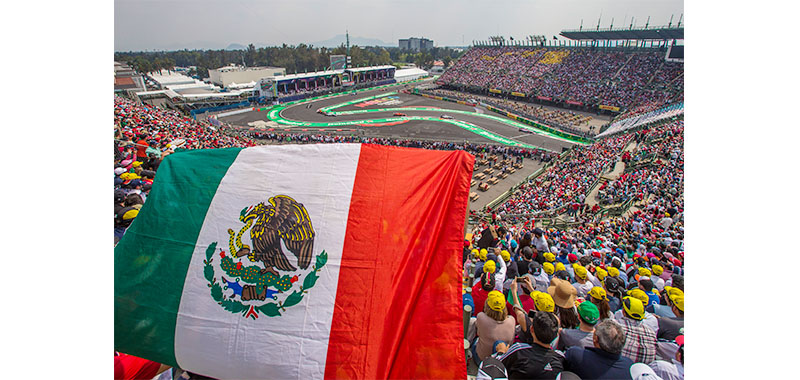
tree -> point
(447, 60)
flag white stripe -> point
(293, 345)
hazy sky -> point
(176, 24)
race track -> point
(370, 113)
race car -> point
(399, 114)
(445, 117)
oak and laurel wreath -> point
(271, 309)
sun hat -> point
(496, 301)
(633, 307)
(543, 301)
(563, 293)
(588, 312)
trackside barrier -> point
(194, 113)
(513, 116)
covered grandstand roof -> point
(307, 75)
(658, 33)
(369, 68)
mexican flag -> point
(298, 262)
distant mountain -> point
(360, 41)
(236, 47)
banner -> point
(543, 98)
(521, 95)
(494, 90)
(574, 102)
(610, 108)
(298, 262)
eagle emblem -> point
(281, 219)
(278, 224)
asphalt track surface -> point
(408, 129)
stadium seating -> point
(591, 77)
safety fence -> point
(194, 113)
(567, 136)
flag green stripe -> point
(151, 260)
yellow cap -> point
(657, 270)
(483, 253)
(600, 273)
(560, 266)
(634, 307)
(130, 214)
(489, 267)
(505, 255)
(475, 252)
(678, 302)
(639, 294)
(673, 293)
(136, 164)
(598, 293)
(549, 256)
(644, 272)
(548, 268)
(613, 272)
(543, 301)
(496, 301)
(580, 272)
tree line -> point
(295, 59)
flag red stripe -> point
(397, 312)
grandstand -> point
(605, 71)
(284, 88)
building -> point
(405, 75)
(437, 68)
(416, 44)
(125, 78)
(224, 76)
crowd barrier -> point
(194, 113)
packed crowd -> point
(561, 119)
(599, 300)
(144, 135)
(567, 181)
(664, 178)
(591, 77)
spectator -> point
(670, 328)
(604, 360)
(582, 285)
(597, 296)
(673, 369)
(640, 345)
(564, 297)
(493, 324)
(582, 336)
(537, 360)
